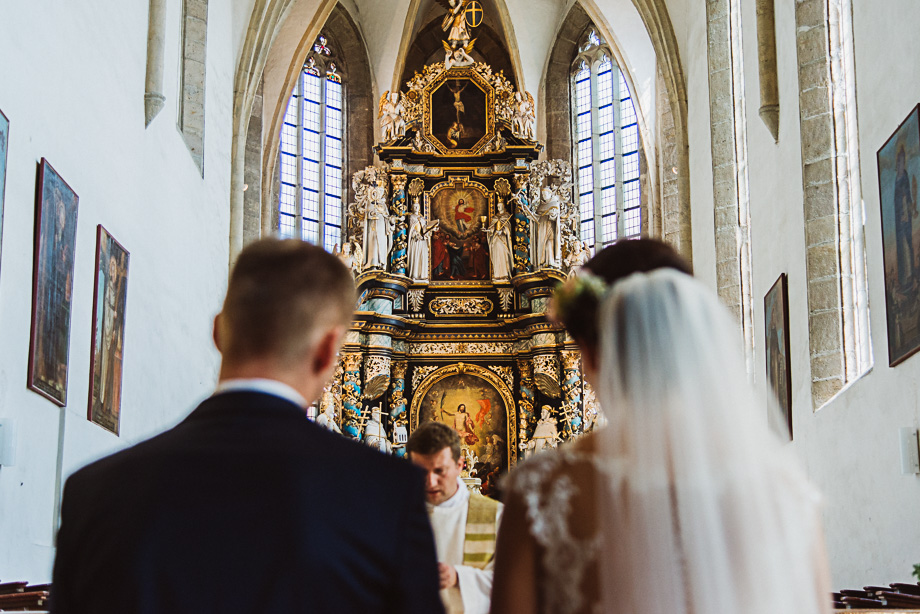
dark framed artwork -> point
(458, 113)
(898, 169)
(4, 147)
(779, 372)
(109, 301)
(52, 284)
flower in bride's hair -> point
(568, 292)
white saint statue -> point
(578, 255)
(547, 248)
(326, 418)
(377, 227)
(546, 435)
(392, 122)
(419, 232)
(374, 434)
(499, 237)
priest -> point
(465, 523)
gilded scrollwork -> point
(546, 374)
(504, 371)
(472, 347)
(467, 305)
(416, 298)
(506, 298)
(420, 373)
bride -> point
(686, 502)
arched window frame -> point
(312, 166)
(606, 145)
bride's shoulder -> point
(550, 464)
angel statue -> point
(459, 56)
(392, 123)
(455, 23)
(524, 120)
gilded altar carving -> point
(457, 306)
(506, 298)
(546, 374)
(376, 376)
(463, 347)
(504, 371)
(420, 373)
(416, 298)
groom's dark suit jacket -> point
(246, 506)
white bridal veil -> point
(706, 510)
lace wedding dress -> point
(685, 502)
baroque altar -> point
(457, 242)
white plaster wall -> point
(849, 446)
(72, 85)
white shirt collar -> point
(266, 386)
(458, 498)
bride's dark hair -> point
(612, 264)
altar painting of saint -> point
(459, 250)
(898, 170)
(56, 218)
(458, 114)
(108, 332)
(776, 316)
(473, 407)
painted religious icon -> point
(4, 140)
(898, 170)
(474, 408)
(109, 300)
(52, 285)
(459, 250)
(776, 315)
(458, 114)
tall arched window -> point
(606, 149)
(312, 152)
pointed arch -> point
(668, 207)
(505, 34)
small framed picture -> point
(52, 284)
(4, 146)
(898, 170)
(109, 300)
(776, 315)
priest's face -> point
(442, 473)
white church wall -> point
(72, 85)
(849, 446)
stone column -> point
(398, 255)
(156, 40)
(352, 419)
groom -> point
(246, 506)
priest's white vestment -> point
(474, 586)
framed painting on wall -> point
(4, 146)
(109, 300)
(52, 284)
(779, 372)
(898, 170)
